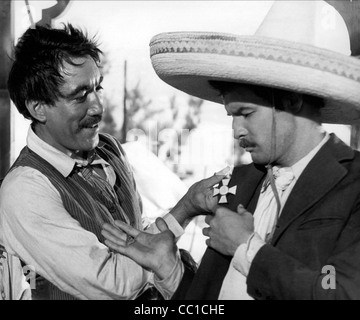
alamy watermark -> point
(329, 280)
(187, 147)
(30, 275)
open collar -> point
(59, 160)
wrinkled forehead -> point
(79, 73)
(73, 66)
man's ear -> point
(293, 102)
(37, 110)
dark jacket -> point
(319, 226)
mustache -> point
(89, 122)
(244, 143)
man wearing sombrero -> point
(292, 228)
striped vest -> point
(81, 200)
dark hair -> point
(270, 95)
(38, 57)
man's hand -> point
(156, 252)
(199, 199)
(228, 229)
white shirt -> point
(35, 226)
(234, 284)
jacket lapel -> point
(321, 175)
(247, 182)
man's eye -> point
(82, 98)
(247, 114)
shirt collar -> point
(299, 166)
(59, 160)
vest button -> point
(112, 209)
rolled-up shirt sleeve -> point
(37, 228)
(172, 224)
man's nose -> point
(96, 104)
(239, 127)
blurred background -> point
(171, 139)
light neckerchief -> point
(269, 166)
(277, 180)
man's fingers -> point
(215, 209)
(127, 229)
(113, 231)
(116, 247)
(208, 219)
(223, 172)
(206, 232)
(216, 178)
(213, 180)
(240, 209)
(119, 239)
(208, 242)
(161, 224)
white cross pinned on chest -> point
(224, 190)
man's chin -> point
(90, 144)
(259, 160)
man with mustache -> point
(292, 229)
(70, 179)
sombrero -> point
(301, 46)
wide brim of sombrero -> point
(189, 60)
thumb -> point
(161, 224)
(223, 172)
(240, 209)
(215, 179)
